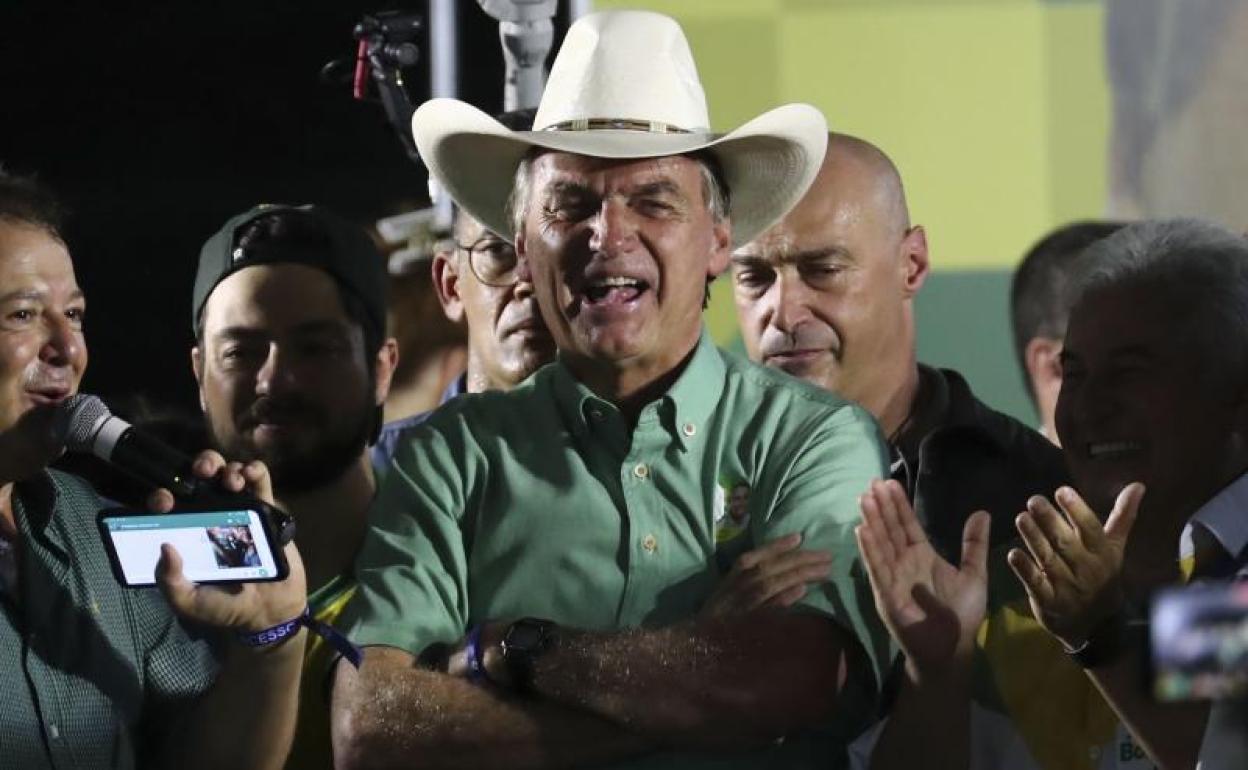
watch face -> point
(527, 635)
(524, 641)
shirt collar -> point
(34, 505)
(683, 409)
(35, 500)
(458, 387)
(1226, 518)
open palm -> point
(932, 608)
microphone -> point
(83, 423)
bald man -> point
(827, 295)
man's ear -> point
(383, 369)
(721, 248)
(446, 283)
(1043, 358)
(197, 366)
(915, 262)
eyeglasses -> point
(492, 260)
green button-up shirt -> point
(541, 502)
(89, 670)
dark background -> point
(156, 122)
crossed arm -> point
(713, 683)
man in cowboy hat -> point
(529, 593)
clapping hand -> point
(932, 608)
(1072, 566)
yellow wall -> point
(996, 111)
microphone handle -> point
(155, 462)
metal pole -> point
(443, 82)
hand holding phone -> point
(249, 606)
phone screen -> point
(216, 546)
(1199, 639)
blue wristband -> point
(274, 634)
(288, 629)
(475, 654)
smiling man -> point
(1155, 377)
(293, 365)
(530, 592)
(95, 675)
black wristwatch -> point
(525, 641)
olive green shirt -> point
(541, 502)
(90, 672)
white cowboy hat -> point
(624, 85)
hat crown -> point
(624, 65)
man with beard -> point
(293, 367)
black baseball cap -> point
(347, 253)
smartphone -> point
(221, 546)
(1199, 642)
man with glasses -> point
(474, 274)
(475, 277)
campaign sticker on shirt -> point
(732, 510)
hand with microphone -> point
(261, 613)
(84, 423)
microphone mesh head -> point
(77, 421)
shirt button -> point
(650, 543)
(54, 733)
(595, 415)
(689, 429)
(641, 470)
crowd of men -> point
(614, 544)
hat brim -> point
(768, 163)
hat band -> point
(617, 124)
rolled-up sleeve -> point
(831, 465)
(412, 568)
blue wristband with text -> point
(281, 631)
(274, 634)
